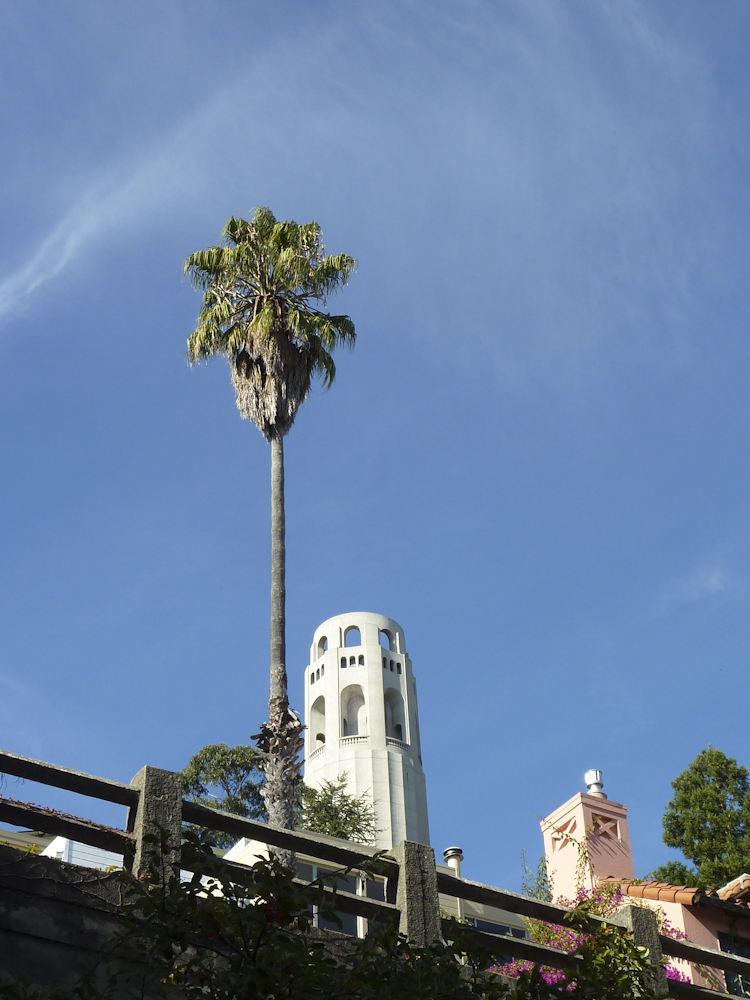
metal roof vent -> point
(594, 783)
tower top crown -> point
(341, 631)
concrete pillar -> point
(159, 812)
(642, 923)
(417, 893)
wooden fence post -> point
(159, 811)
(417, 893)
(641, 922)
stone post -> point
(641, 922)
(417, 893)
(159, 811)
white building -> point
(362, 720)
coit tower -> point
(362, 720)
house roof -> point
(738, 890)
(735, 902)
(664, 891)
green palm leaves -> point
(263, 292)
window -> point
(343, 661)
(385, 663)
(352, 660)
(317, 674)
(398, 668)
(322, 670)
(322, 645)
(347, 883)
(391, 664)
(737, 984)
(312, 676)
(386, 639)
(361, 661)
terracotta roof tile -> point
(738, 890)
(664, 891)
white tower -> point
(361, 717)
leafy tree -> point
(331, 810)
(262, 292)
(227, 778)
(708, 819)
(230, 778)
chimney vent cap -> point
(594, 782)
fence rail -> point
(412, 884)
(72, 781)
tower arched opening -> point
(395, 717)
(318, 720)
(386, 638)
(322, 645)
(352, 636)
(353, 711)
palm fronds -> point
(263, 287)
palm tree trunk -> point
(279, 698)
(281, 739)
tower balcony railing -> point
(316, 752)
(391, 741)
(347, 740)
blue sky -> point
(536, 458)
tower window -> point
(361, 661)
(322, 670)
(343, 661)
(385, 663)
(398, 668)
(352, 660)
(391, 664)
(312, 677)
(317, 674)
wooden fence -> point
(412, 884)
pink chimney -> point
(585, 839)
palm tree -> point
(262, 292)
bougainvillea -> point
(601, 902)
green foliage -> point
(708, 819)
(677, 873)
(536, 884)
(261, 290)
(331, 810)
(227, 778)
(230, 778)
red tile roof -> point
(664, 891)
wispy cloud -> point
(50, 258)
(113, 204)
(706, 583)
